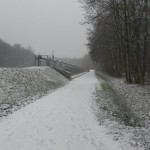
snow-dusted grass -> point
(123, 118)
(137, 97)
(20, 86)
(118, 106)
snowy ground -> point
(77, 75)
(21, 86)
(124, 109)
(63, 120)
(137, 96)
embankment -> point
(20, 86)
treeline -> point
(84, 62)
(118, 37)
(15, 56)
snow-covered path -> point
(62, 120)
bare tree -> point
(118, 37)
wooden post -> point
(38, 60)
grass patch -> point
(115, 104)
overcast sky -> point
(45, 25)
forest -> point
(16, 55)
(118, 37)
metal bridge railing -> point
(66, 69)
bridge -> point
(64, 68)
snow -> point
(21, 86)
(63, 120)
(77, 75)
(131, 137)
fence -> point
(65, 68)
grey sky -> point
(45, 25)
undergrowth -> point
(116, 105)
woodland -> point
(118, 37)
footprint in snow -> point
(69, 143)
(52, 142)
(49, 129)
(97, 143)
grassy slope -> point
(20, 86)
(115, 113)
